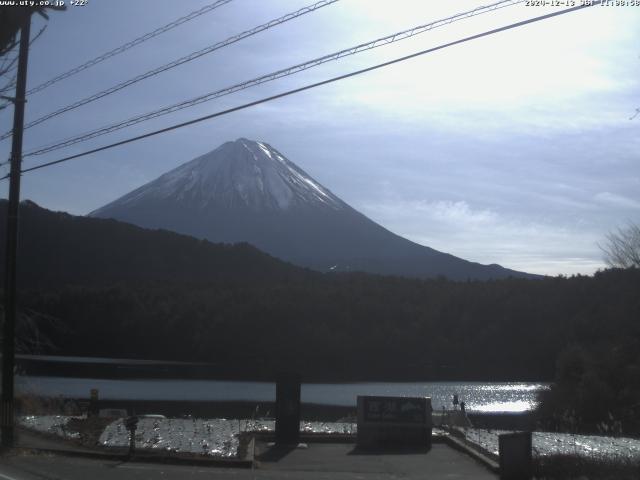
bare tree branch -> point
(622, 248)
(9, 65)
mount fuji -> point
(247, 191)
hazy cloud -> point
(487, 236)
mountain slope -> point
(57, 249)
(246, 191)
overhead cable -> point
(271, 77)
(314, 85)
(175, 63)
(128, 45)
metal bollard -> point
(94, 407)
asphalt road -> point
(319, 461)
(41, 467)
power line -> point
(314, 85)
(179, 61)
(128, 45)
(272, 76)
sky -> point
(518, 149)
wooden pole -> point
(11, 246)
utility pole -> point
(11, 246)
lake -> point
(478, 396)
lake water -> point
(478, 396)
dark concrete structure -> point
(515, 456)
(288, 409)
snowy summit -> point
(244, 173)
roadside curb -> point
(141, 457)
(306, 437)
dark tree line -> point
(350, 326)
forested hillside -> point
(56, 248)
(111, 289)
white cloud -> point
(612, 199)
(455, 212)
(544, 76)
(486, 236)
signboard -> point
(395, 409)
(394, 422)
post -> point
(94, 409)
(131, 423)
(11, 246)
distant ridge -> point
(57, 249)
(247, 191)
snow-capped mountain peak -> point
(247, 191)
(239, 174)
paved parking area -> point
(441, 462)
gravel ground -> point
(213, 437)
(549, 443)
(219, 436)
